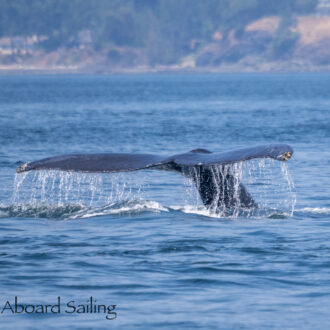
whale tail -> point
(212, 173)
(219, 187)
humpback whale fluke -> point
(198, 164)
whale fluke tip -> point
(22, 168)
(286, 156)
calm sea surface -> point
(142, 241)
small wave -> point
(122, 208)
(40, 211)
(75, 211)
(81, 211)
(315, 210)
(198, 210)
(244, 213)
(3, 214)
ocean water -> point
(142, 240)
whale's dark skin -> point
(198, 164)
(221, 193)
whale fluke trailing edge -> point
(198, 164)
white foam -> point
(198, 210)
(317, 210)
(130, 207)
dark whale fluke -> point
(197, 164)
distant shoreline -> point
(265, 68)
(303, 47)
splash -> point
(270, 183)
(41, 211)
(266, 180)
(62, 188)
(121, 208)
(70, 195)
(80, 211)
(57, 194)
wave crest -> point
(75, 211)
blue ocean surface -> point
(142, 240)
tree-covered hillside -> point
(164, 30)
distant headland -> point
(173, 36)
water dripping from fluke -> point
(267, 182)
(59, 194)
